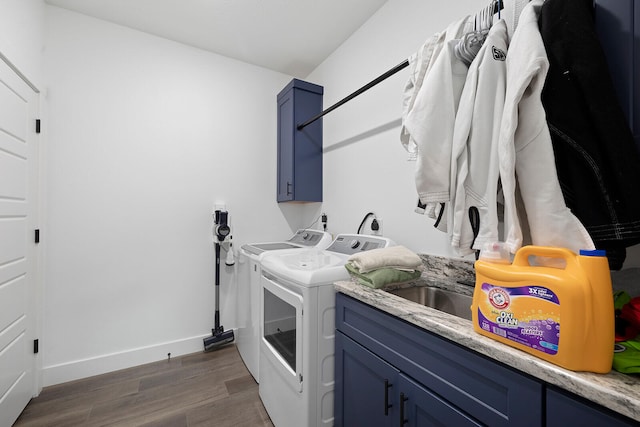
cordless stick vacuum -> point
(219, 337)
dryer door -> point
(282, 330)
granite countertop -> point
(616, 391)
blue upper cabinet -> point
(299, 151)
(618, 26)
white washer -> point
(297, 343)
(249, 290)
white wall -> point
(21, 35)
(144, 136)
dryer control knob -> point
(354, 243)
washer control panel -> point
(306, 237)
(353, 243)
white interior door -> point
(18, 211)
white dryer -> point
(298, 329)
(249, 289)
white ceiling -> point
(289, 36)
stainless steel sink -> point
(450, 302)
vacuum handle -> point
(217, 319)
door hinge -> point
(35, 346)
(37, 125)
(36, 238)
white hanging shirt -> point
(431, 122)
(525, 148)
(474, 160)
(420, 64)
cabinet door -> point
(286, 130)
(420, 407)
(567, 410)
(366, 387)
(299, 150)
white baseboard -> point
(69, 371)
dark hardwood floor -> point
(200, 389)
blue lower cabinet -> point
(366, 385)
(373, 393)
(564, 409)
(438, 382)
(391, 373)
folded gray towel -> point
(397, 257)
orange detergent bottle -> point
(560, 314)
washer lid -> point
(307, 267)
(303, 238)
(258, 248)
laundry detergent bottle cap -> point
(551, 303)
(495, 252)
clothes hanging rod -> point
(497, 6)
(364, 88)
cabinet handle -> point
(289, 189)
(387, 386)
(403, 399)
